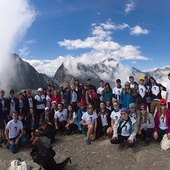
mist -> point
(15, 18)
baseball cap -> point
(40, 89)
(125, 110)
(143, 106)
(47, 109)
(162, 101)
(132, 105)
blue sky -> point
(134, 32)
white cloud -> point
(129, 6)
(100, 46)
(15, 18)
(137, 30)
(29, 42)
(23, 52)
(48, 67)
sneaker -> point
(87, 141)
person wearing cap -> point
(47, 117)
(40, 103)
(126, 96)
(115, 115)
(141, 92)
(117, 90)
(82, 109)
(168, 91)
(109, 104)
(155, 93)
(13, 104)
(135, 113)
(125, 130)
(162, 121)
(100, 89)
(146, 124)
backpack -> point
(19, 164)
(43, 154)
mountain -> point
(27, 77)
(108, 70)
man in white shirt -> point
(100, 89)
(14, 133)
(60, 117)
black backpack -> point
(43, 154)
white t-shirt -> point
(61, 116)
(99, 91)
(117, 92)
(155, 90)
(14, 128)
(162, 124)
(48, 99)
(126, 129)
(30, 101)
(142, 90)
(89, 118)
(115, 115)
(104, 120)
(168, 91)
(74, 117)
(40, 98)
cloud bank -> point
(15, 18)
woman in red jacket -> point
(162, 121)
(56, 97)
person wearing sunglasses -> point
(125, 130)
(162, 121)
(89, 123)
(146, 124)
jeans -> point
(13, 148)
(161, 133)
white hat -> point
(40, 89)
(47, 108)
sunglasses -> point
(123, 113)
(142, 109)
(115, 105)
(89, 108)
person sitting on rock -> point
(125, 130)
(45, 133)
(89, 123)
(71, 125)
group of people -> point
(123, 113)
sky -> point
(134, 32)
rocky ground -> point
(99, 155)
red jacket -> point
(55, 98)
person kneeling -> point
(125, 130)
(45, 133)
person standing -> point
(100, 89)
(40, 103)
